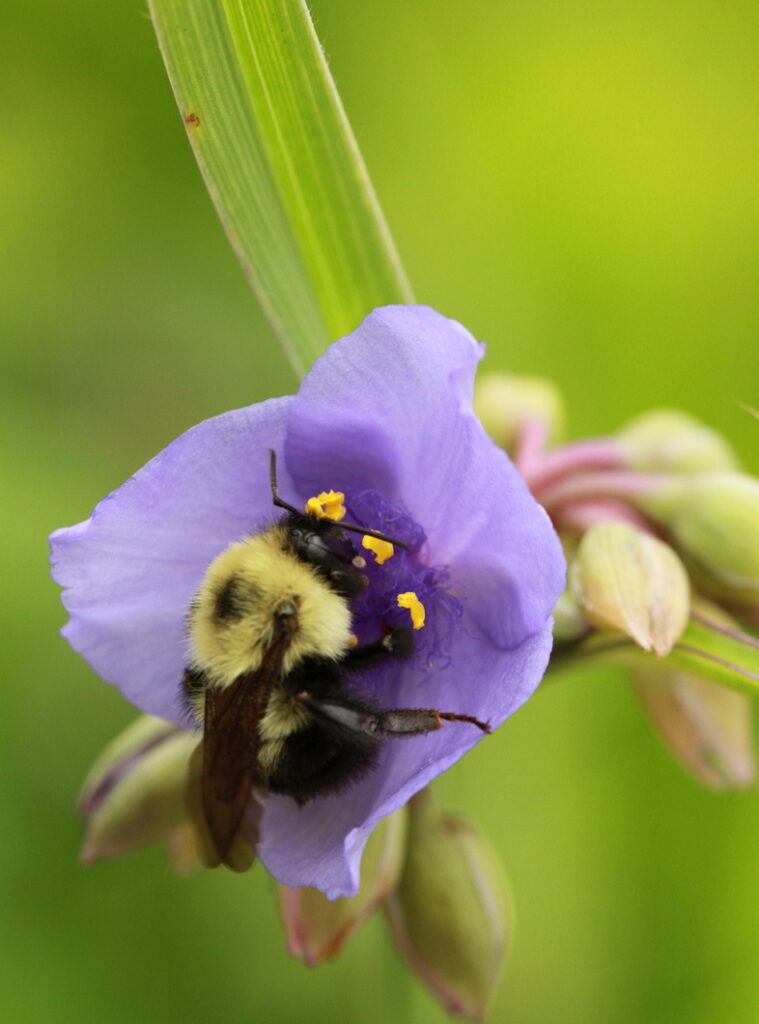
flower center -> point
(402, 589)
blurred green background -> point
(577, 184)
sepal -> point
(669, 440)
(451, 914)
(506, 404)
(714, 520)
(135, 793)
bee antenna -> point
(280, 503)
(372, 533)
(274, 488)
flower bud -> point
(504, 403)
(668, 440)
(628, 580)
(317, 928)
(714, 521)
(183, 850)
(569, 622)
(451, 914)
(135, 793)
(706, 726)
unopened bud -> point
(451, 914)
(668, 440)
(714, 521)
(135, 793)
(317, 929)
(706, 726)
(627, 580)
(569, 622)
(504, 403)
(183, 849)
(141, 735)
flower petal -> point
(132, 569)
(321, 843)
(390, 407)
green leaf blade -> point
(281, 164)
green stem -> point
(725, 661)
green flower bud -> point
(673, 441)
(504, 402)
(317, 929)
(135, 793)
(139, 736)
(707, 727)
(451, 914)
(627, 580)
(714, 521)
(569, 622)
(182, 848)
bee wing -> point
(228, 763)
(227, 766)
(241, 853)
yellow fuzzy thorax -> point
(262, 576)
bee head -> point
(324, 546)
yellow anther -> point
(382, 549)
(353, 640)
(415, 607)
(327, 505)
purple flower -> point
(385, 416)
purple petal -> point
(390, 407)
(132, 569)
(321, 843)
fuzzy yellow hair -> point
(233, 616)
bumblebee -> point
(271, 638)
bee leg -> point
(397, 722)
(398, 642)
(407, 721)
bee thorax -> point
(254, 595)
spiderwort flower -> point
(384, 417)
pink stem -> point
(532, 438)
(580, 516)
(597, 453)
(592, 486)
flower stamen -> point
(327, 505)
(416, 608)
(382, 549)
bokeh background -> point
(576, 182)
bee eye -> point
(340, 547)
(322, 548)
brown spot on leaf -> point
(192, 120)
